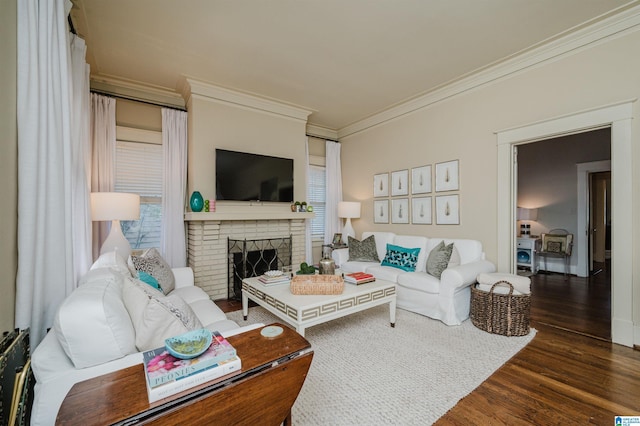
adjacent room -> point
(320, 212)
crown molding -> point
(321, 132)
(135, 91)
(602, 31)
(209, 91)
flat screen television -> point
(242, 176)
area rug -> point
(366, 373)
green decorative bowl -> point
(189, 345)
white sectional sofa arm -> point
(463, 275)
(340, 256)
(184, 276)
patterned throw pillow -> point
(153, 264)
(154, 316)
(363, 251)
(438, 259)
(401, 257)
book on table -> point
(161, 367)
(280, 279)
(216, 371)
(359, 278)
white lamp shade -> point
(114, 206)
(527, 214)
(349, 209)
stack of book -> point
(358, 278)
(167, 375)
(280, 279)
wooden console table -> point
(273, 371)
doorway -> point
(599, 221)
(619, 118)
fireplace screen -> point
(252, 258)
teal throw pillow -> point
(363, 251)
(148, 279)
(401, 257)
(438, 259)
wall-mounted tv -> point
(242, 176)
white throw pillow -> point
(92, 324)
(156, 317)
(113, 261)
(454, 260)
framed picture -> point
(421, 180)
(421, 210)
(381, 211)
(400, 183)
(400, 210)
(447, 210)
(447, 176)
(337, 238)
(381, 185)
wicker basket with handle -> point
(317, 284)
(505, 314)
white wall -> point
(463, 127)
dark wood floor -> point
(570, 374)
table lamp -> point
(115, 206)
(525, 215)
(348, 210)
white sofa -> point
(94, 334)
(446, 299)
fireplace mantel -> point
(258, 214)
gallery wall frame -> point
(381, 211)
(421, 180)
(400, 183)
(421, 211)
(400, 210)
(447, 210)
(381, 185)
(447, 176)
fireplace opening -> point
(252, 258)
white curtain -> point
(174, 183)
(332, 222)
(103, 142)
(308, 246)
(52, 186)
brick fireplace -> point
(208, 234)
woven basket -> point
(317, 284)
(505, 314)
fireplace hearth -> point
(252, 258)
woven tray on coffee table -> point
(317, 284)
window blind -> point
(317, 199)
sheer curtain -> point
(174, 146)
(51, 163)
(103, 142)
(332, 223)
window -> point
(317, 199)
(139, 170)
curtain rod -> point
(133, 98)
(318, 137)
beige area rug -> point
(366, 373)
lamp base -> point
(348, 231)
(116, 241)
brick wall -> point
(207, 247)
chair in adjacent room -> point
(557, 243)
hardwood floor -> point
(570, 374)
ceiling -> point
(343, 59)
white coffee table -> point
(303, 311)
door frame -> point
(582, 237)
(619, 118)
